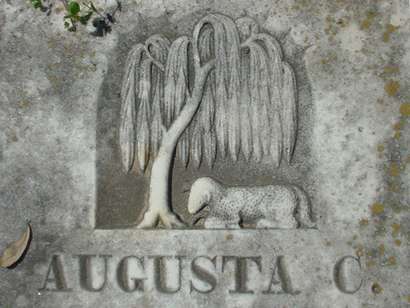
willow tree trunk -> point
(159, 205)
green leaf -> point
(36, 4)
(73, 8)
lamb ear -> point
(217, 187)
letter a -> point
(283, 279)
(56, 270)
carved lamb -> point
(272, 206)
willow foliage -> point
(249, 100)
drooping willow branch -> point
(248, 102)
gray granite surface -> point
(60, 165)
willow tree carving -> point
(225, 92)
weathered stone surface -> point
(60, 165)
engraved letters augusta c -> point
(225, 92)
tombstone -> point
(206, 154)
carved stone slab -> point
(207, 154)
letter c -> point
(342, 281)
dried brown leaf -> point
(16, 249)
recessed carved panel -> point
(225, 97)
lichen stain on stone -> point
(53, 77)
(366, 23)
(397, 135)
(391, 69)
(364, 222)
(334, 25)
(381, 249)
(342, 22)
(405, 109)
(393, 188)
(398, 126)
(301, 5)
(229, 237)
(380, 228)
(389, 30)
(377, 208)
(330, 29)
(394, 169)
(24, 103)
(383, 226)
(11, 136)
(391, 261)
(328, 59)
(392, 87)
(370, 263)
(396, 208)
(70, 65)
(395, 229)
(376, 288)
